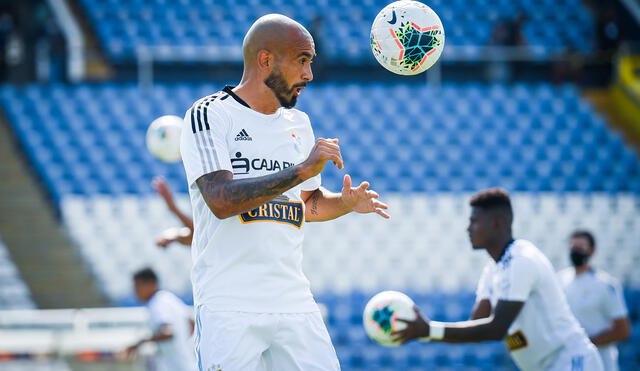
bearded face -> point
(286, 95)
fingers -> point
(400, 336)
(383, 214)
(346, 183)
(330, 151)
(380, 205)
(363, 186)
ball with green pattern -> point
(407, 37)
(381, 313)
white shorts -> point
(577, 357)
(241, 341)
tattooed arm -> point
(227, 197)
(322, 204)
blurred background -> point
(541, 97)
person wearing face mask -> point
(595, 299)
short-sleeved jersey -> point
(250, 262)
(596, 300)
(545, 323)
(166, 309)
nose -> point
(307, 74)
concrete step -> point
(47, 260)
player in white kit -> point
(518, 300)
(253, 168)
(596, 300)
(171, 323)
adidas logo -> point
(242, 135)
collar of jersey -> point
(228, 89)
(504, 252)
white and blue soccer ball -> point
(163, 138)
(407, 37)
(381, 314)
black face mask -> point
(578, 258)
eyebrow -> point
(305, 54)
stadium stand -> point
(14, 294)
(423, 136)
(424, 150)
(124, 25)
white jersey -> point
(250, 262)
(176, 353)
(596, 300)
(545, 324)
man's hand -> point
(171, 235)
(162, 188)
(324, 150)
(362, 200)
(131, 351)
(415, 329)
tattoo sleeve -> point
(226, 196)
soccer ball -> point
(407, 37)
(163, 138)
(381, 312)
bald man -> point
(253, 168)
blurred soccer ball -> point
(381, 312)
(407, 37)
(163, 138)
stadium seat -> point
(14, 294)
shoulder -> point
(211, 101)
(207, 111)
(524, 256)
(524, 249)
(607, 280)
(295, 114)
(162, 298)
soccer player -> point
(182, 235)
(595, 299)
(171, 322)
(518, 300)
(253, 169)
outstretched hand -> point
(417, 328)
(361, 199)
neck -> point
(150, 296)
(257, 95)
(582, 269)
(497, 249)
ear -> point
(265, 59)
(497, 221)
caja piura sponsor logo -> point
(242, 165)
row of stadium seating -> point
(344, 37)
(89, 139)
(14, 294)
(424, 247)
